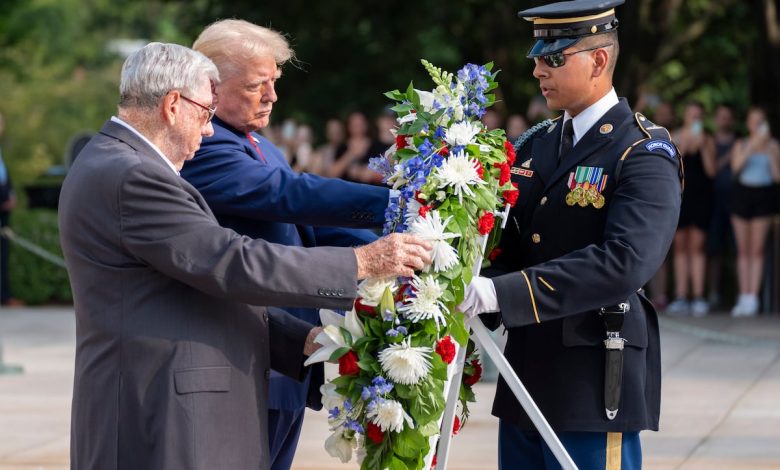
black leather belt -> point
(613, 317)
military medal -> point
(586, 184)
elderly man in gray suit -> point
(173, 352)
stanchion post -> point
(5, 369)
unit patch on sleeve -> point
(654, 145)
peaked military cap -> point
(562, 24)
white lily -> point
(338, 446)
(371, 290)
(331, 338)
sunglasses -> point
(210, 109)
(558, 59)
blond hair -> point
(230, 43)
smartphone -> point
(696, 127)
(763, 129)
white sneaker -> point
(678, 307)
(699, 307)
(751, 306)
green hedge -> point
(33, 279)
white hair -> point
(151, 72)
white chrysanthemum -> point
(405, 364)
(431, 228)
(426, 303)
(371, 290)
(462, 133)
(412, 210)
(460, 172)
(390, 415)
(339, 446)
(330, 398)
(331, 337)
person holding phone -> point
(697, 150)
(755, 162)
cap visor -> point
(544, 47)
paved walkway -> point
(721, 398)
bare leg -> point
(741, 236)
(681, 263)
(698, 261)
(758, 230)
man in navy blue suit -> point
(251, 188)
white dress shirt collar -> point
(148, 142)
(591, 115)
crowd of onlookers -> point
(731, 195)
(731, 191)
(347, 145)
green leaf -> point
(429, 429)
(338, 353)
(458, 330)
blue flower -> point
(365, 394)
(388, 315)
(334, 413)
(353, 425)
(383, 166)
(391, 333)
(402, 330)
(347, 406)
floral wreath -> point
(395, 348)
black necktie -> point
(567, 139)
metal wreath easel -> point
(480, 334)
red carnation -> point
(424, 210)
(456, 426)
(480, 170)
(485, 223)
(510, 153)
(446, 349)
(434, 461)
(444, 151)
(400, 141)
(348, 364)
(362, 308)
(510, 197)
(418, 197)
(495, 253)
(374, 433)
(505, 173)
(473, 378)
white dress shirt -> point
(591, 115)
(154, 147)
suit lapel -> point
(544, 153)
(591, 142)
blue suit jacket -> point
(257, 194)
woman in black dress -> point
(697, 150)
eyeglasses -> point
(558, 59)
(209, 109)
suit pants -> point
(284, 428)
(589, 450)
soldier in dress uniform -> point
(600, 190)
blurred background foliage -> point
(59, 66)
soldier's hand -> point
(397, 254)
(479, 297)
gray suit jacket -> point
(172, 356)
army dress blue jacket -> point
(251, 189)
(586, 233)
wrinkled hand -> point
(309, 347)
(479, 297)
(398, 254)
